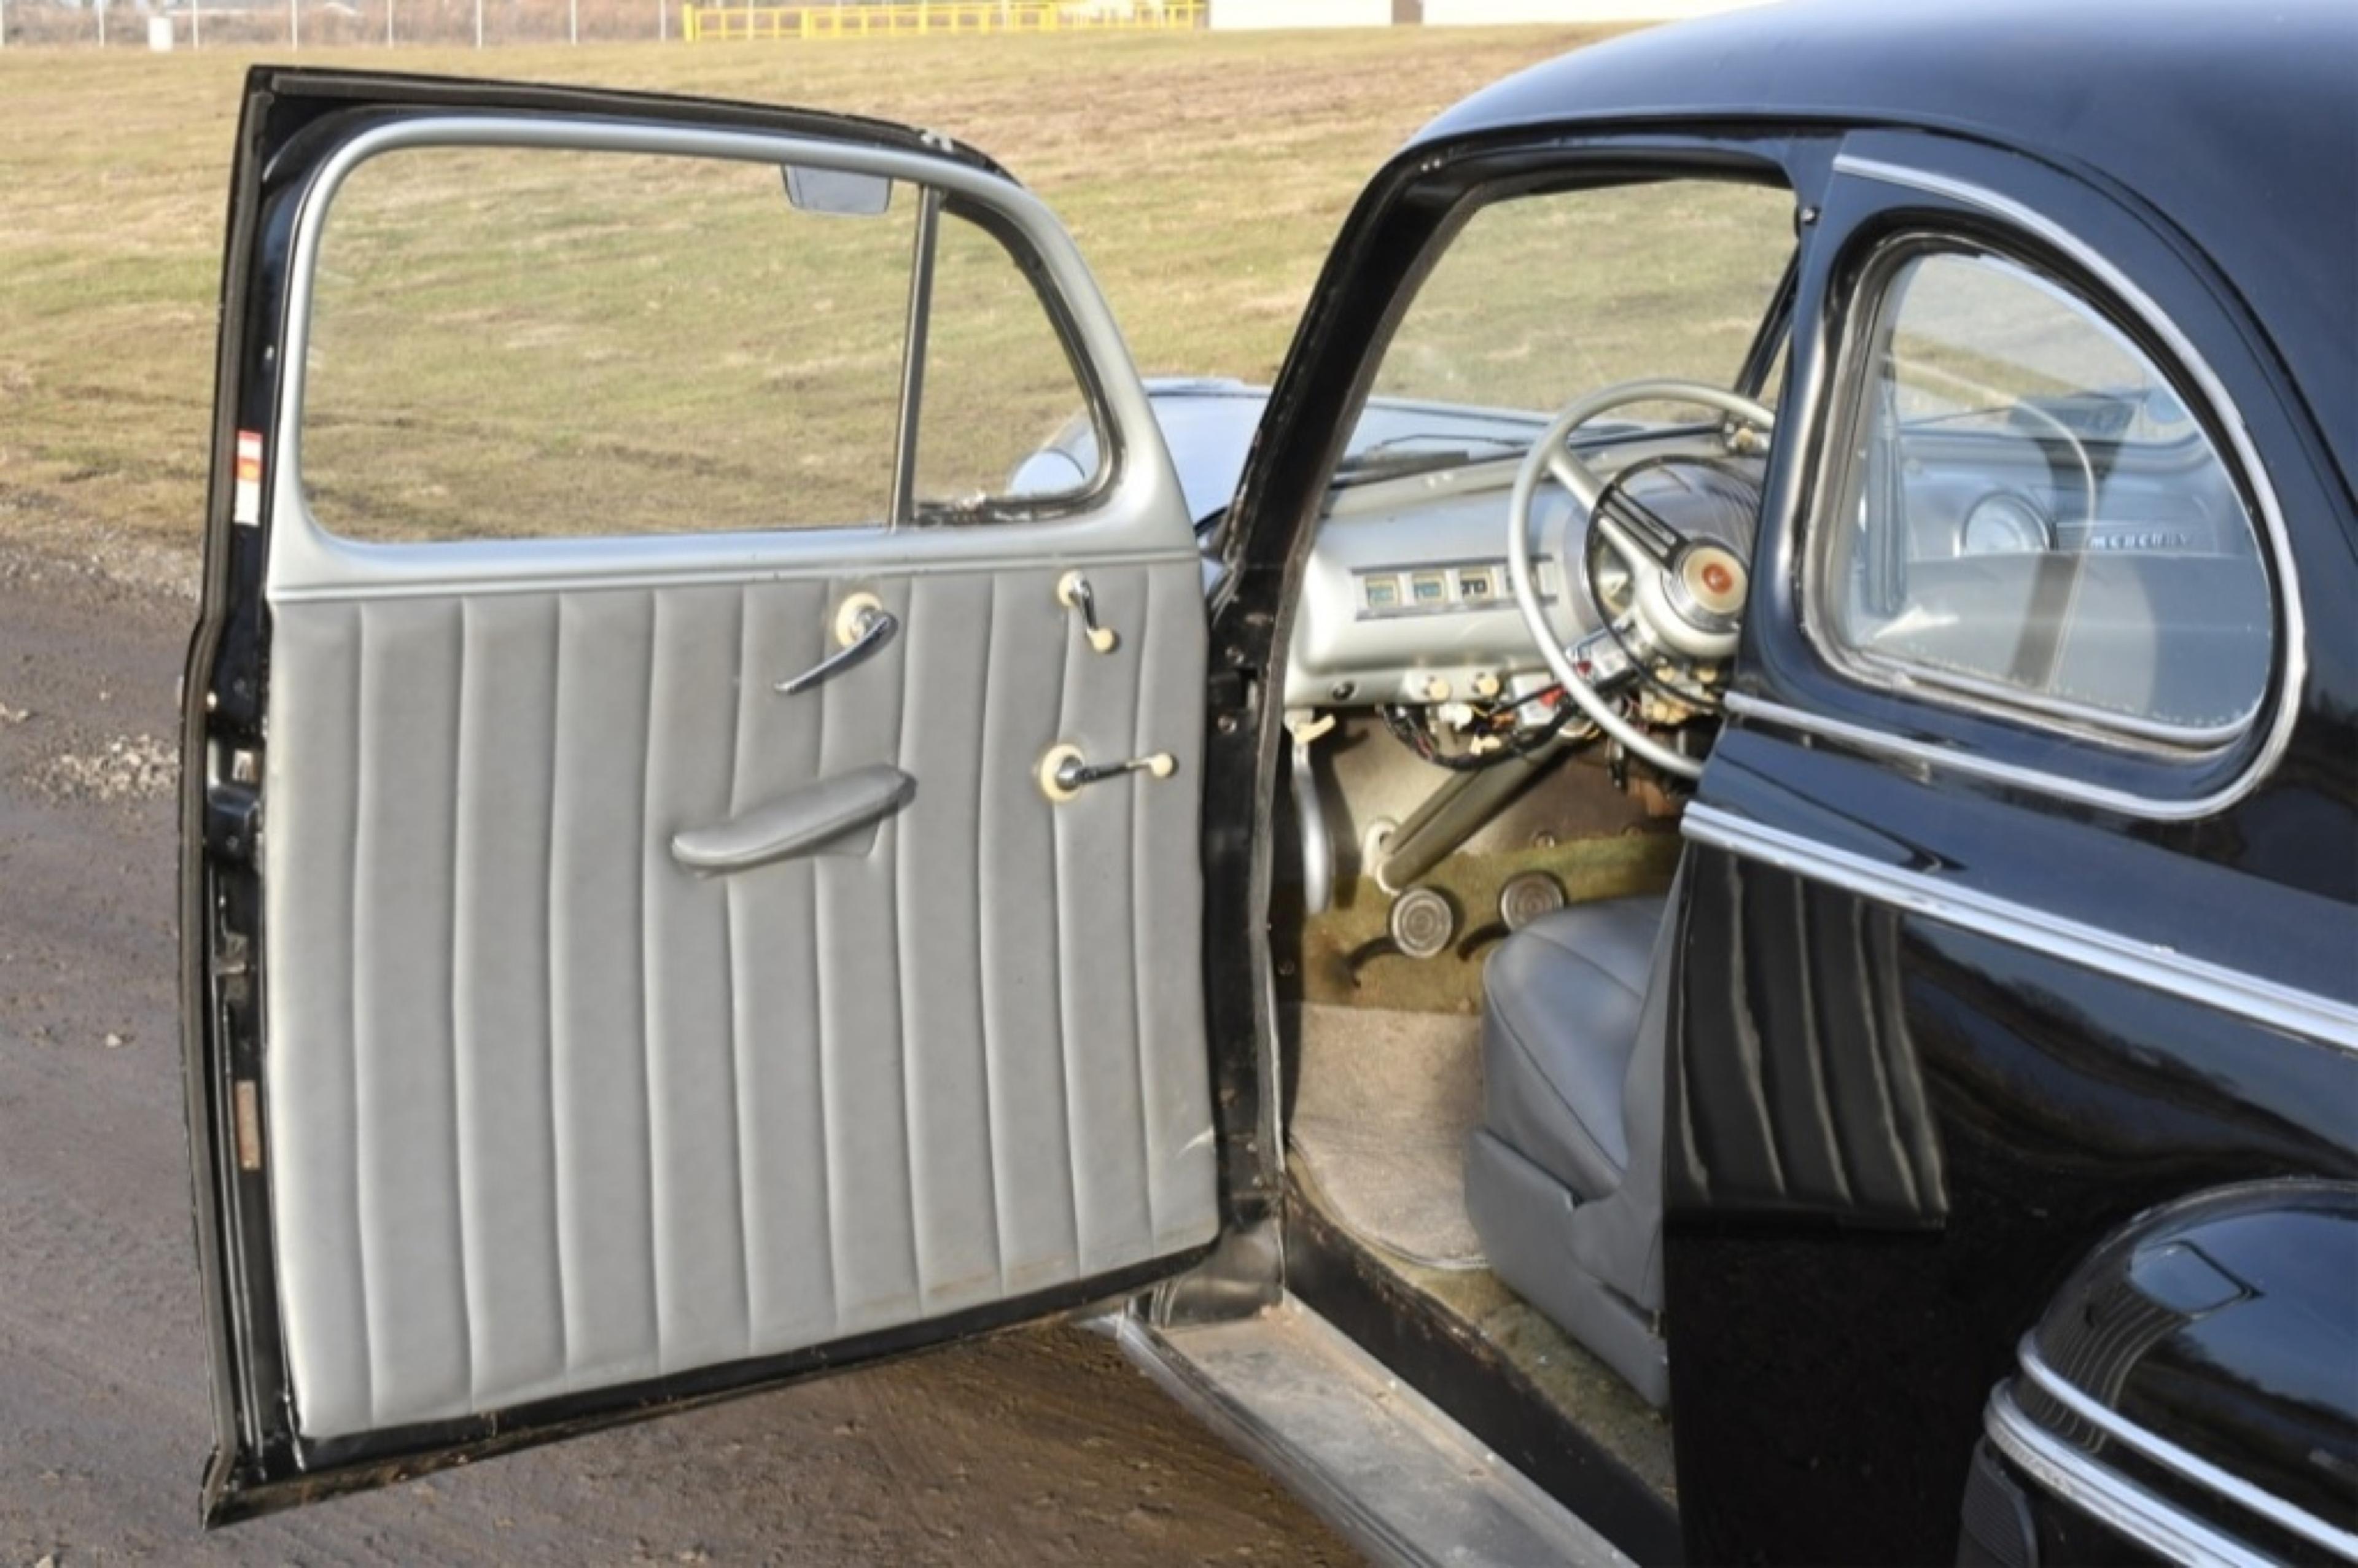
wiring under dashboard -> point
(1493, 734)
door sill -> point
(1393, 1475)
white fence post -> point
(572, 21)
(294, 25)
(101, 24)
(196, 24)
(479, 24)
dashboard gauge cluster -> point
(1429, 589)
(2005, 522)
(1405, 596)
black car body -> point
(2008, 1122)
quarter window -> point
(2024, 512)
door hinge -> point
(232, 822)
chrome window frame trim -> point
(2178, 1461)
(2111, 1499)
(1939, 757)
(1982, 692)
(1135, 510)
(2305, 1014)
(1977, 691)
(2283, 712)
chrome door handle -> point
(1065, 772)
(861, 626)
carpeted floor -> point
(1386, 1101)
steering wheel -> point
(1687, 594)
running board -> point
(1372, 1456)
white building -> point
(1240, 14)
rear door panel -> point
(534, 1127)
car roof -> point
(2238, 122)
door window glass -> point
(2027, 512)
(527, 343)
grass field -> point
(1203, 176)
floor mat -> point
(1386, 1101)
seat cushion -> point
(1563, 1001)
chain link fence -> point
(298, 25)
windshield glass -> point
(1541, 297)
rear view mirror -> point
(838, 193)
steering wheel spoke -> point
(1639, 533)
(1573, 475)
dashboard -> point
(1405, 599)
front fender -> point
(2193, 1388)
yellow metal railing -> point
(922, 18)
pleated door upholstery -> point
(546, 1112)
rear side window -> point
(527, 343)
(2025, 512)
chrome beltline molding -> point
(2225, 418)
(1950, 759)
(2178, 1461)
(2300, 1012)
(2105, 1495)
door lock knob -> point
(1064, 771)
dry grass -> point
(1204, 176)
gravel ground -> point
(1038, 1447)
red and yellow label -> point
(245, 506)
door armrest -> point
(834, 815)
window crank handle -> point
(1065, 772)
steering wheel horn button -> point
(1707, 584)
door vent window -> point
(2025, 513)
(1004, 415)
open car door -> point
(691, 874)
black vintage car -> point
(1731, 935)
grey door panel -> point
(547, 1110)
